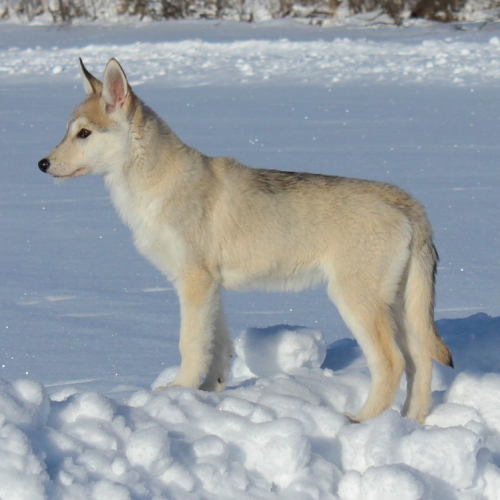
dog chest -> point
(153, 236)
(162, 247)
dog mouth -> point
(77, 173)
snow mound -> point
(269, 351)
(450, 454)
(282, 435)
(24, 409)
(478, 391)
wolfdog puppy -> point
(212, 223)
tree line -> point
(244, 10)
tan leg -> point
(373, 327)
(222, 351)
(199, 300)
(419, 377)
(418, 363)
(385, 362)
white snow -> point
(285, 349)
(88, 327)
(319, 62)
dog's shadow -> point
(474, 342)
(341, 354)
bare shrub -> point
(438, 10)
(394, 8)
(245, 10)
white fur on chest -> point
(153, 236)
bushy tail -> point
(420, 293)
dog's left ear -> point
(90, 83)
(115, 88)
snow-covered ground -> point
(166, 53)
(89, 326)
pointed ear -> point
(115, 88)
(90, 83)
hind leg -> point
(419, 376)
(373, 327)
(419, 393)
(385, 362)
(222, 351)
(418, 363)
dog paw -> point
(213, 385)
(161, 388)
(352, 418)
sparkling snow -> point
(89, 327)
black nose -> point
(44, 165)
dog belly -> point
(272, 279)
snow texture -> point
(89, 328)
(446, 60)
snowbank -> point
(277, 432)
(342, 60)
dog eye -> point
(84, 133)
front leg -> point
(199, 301)
(222, 352)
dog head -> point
(98, 130)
